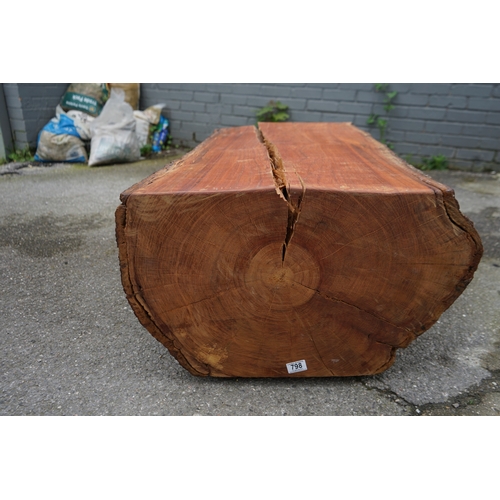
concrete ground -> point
(71, 345)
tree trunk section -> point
(291, 250)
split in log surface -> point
(291, 242)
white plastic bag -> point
(141, 128)
(144, 119)
(132, 92)
(82, 122)
(114, 138)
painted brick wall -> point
(460, 121)
(30, 107)
(16, 116)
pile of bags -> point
(104, 119)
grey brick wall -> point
(460, 121)
(16, 116)
(30, 107)
(5, 131)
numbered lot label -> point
(296, 366)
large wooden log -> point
(291, 250)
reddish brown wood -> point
(292, 242)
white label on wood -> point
(297, 366)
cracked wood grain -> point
(281, 183)
(227, 262)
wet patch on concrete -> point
(481, 184)
(47, 235)
(483, 399)
(491, 360)
(457, 353)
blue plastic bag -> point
(59, 141)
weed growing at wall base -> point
(20, 155)
(439, 162)
(377, 120)
(273, 112)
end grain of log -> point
(294, 242)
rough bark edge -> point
(138, 305)
(445, 197)
(387, 364)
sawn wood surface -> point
(291, 242)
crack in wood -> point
(283, 189)
(334, 299)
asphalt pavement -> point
(71, 345)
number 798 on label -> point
(296, 366)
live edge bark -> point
(292, 242)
